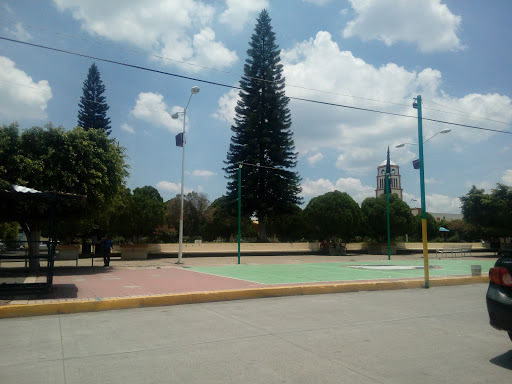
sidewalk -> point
(138, 283)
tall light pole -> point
(388, 172)
(239, 207)
(181, 140)
(417, 105)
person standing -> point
(107, 249)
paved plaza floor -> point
(162, 278)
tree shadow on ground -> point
(30, 291)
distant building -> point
(440, 216)
(394, 180)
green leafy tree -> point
(262, 134)
(93, 106)
(460, 230)
(288, 226)
(52, 159)
(221, 222)
(432, 228)
(139, 214)
(8, 231)
(491, 212)
(400, 217)
(195, 206)
(333, 215)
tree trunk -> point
(262, 229)
(33, 236)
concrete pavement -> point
(157, 282)
(440, 335)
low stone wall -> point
(142, 251)
(233, 247)
(432, 247)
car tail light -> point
(500, 276)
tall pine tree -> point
(262, 135)
(93, 105)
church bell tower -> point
(394, 180)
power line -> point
(234, 87)
(467, 126)
(142, 52)
(116, 62)
(462, 113)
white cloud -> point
(312, 160)
(227, 104)
(429, 24)
(19, 32)
(174, 29)
(201, 51)
(21, 97)
(127, 128)
(202, 173)
(484, 184)
(151, 108)
(507, 177)
(316, 187)
(319, 63)
(441, 203)
(238, 13)
(354, 187)
(169, 187)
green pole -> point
(422, 186)
(387, 216)
(239, 207)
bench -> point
(93, 256)
(19, 256)
(454, 249)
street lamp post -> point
(193, 91)
(422, 187)
(417, 105)
(239, 207)
(430, 138)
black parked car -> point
(499, 293)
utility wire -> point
(462, 113)
(141, 52)
(234, 87)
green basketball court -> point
(344, 271)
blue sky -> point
(374, 54)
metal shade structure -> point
(15, 205)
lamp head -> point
(445, 130)
(400, 145)
(175, 115)
(194, 90)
